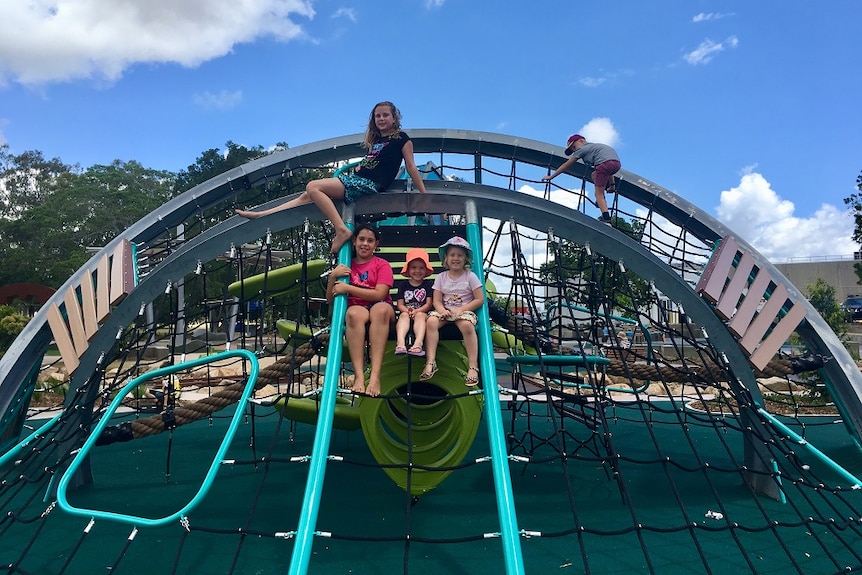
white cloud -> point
(224, 100)
(600, 130)
(430, 4)
(707, 16)
(44, 41)
(754, 211)
(707, 49)
(591, 82)
(348, 13)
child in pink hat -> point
(413, 302)
(457, 295)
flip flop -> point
(416, 351)
(400, 350)
(428, 373)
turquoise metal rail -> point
(855, 482)
(323, 433)
(9, 455)
(509, 532)
(135, 520)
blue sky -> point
(751, 110)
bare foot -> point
(341, 236)
(247, 214)
(358, 383)
(373, 389)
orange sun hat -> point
(418, 254)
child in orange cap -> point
(602, 159)
(413, 301)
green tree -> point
(11, 324)
(854, 204)
(214, 162)
(823, 299)
(628, 293)
(26, 180)
(48, 241)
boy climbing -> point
(602, 159)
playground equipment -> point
(546, 467)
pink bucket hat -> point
(456, 241)
(418, 254)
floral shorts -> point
(356, 186)
(467, 315)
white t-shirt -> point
(456, 291)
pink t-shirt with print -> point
(370, 274)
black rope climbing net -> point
(633, 446)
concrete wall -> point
(838, 274)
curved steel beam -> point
(27, 350)
(491, 202)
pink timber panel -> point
(756, 316)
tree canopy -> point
(854, 204)
(60, 213)
(51, 212)
(627, 292)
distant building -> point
(836, 271)
(30, 295)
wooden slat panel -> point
(122, 272)
(88, 303)
(730, 298)
(773, 342)
(60, 331)
(748, 307)
(711, 283)
(76, 322)
(765, 318)
(103, 286)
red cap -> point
(570, 145)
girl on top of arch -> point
(387, 145)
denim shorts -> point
(356, 186)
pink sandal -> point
(417, 351)
(400, 350)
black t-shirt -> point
(383, 159)
(414, 297)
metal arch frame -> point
(444, 197)
(449, 197)
(842, 373)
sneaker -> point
(605, 219)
